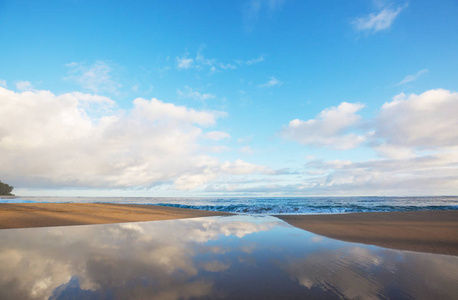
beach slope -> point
(25, 215)
(422, 231)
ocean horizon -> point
(269, 205)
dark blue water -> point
(272, 205)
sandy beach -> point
(422, 231)
(26, 215)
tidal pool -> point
(234, 257)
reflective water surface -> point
(237, 257)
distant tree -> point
(5, 189)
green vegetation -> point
(5, 189)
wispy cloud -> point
(247, 150)
(23, 86)
(255, 60)
(184, 62)
(413, 77)
(376, 22)
(253, 9)
(272, 82)
(2, 83)
(217, 135)
(213, 65)
(227, 66)
(190, 93)
(96, 78)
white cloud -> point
(413, 77)
(253, 9)
(376, 22)
(49, 140)
(184, 63)
(394, 152)
(204, 61)
(212, 65)
(190, 93)
(328, 129)
(96, 78)
(227, 66)
(23, 86)
(255, 60)
(424, 121)
(217, 135)
(425, 175)
(402, 131)
(272, 82)
(241, 167)
(428, 120)
(247, 150)
(159, 112)
(246, 139)
(211, 169)
(3, 83)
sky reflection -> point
(216, 257)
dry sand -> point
(27, 215)
(423, 231)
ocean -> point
(270, 205)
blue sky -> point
(253, 97)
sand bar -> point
(422, 231)
(26, 215)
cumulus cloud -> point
(412, 77)
(328, 129)
(190, 93)
(407, 123)
(428, 120)
(272, 82)
(376, 22)
(49, 140)
(413, 136)
(96, 78)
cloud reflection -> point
(154, 260)
(216, 257)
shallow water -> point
(236, 257)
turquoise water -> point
(273, 205)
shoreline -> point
(420, 231)
(30, 215)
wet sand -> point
(26, 215)
(422, 231)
